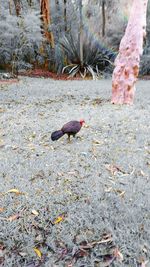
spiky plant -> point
(96, 58)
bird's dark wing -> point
(71, 127)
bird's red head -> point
(82, 122)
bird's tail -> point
(56, 135)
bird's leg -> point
(68, 138)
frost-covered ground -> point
(94, 189)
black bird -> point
(70, 128)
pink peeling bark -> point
(127, 62)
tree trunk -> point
(103, 18)
(57, 5)
(46, 19)
(127, 62)
(10, 7)
(81, 32)
(17, 4)
(65, 14)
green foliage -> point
(96, 58)
(20, 39)
(21, 36)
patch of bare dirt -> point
(38, 73)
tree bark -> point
(17, 4)
(46, 19)
(57, 4)
(103, 18)
(10, 7)
(127, 62)
(81, 32)
(65, 14)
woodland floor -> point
(82, 203)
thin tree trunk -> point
(127, 62)
(57, 5)
(81, 33)
(103, 18)
(58, 12)
(10, 7)
(65, 14)
(46, 19)
(17, 4)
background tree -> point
(81, 32)
(103, 18)
(65, 14)
(20, 38)
(103, 24)
(10, 7)
(127, 62)
(46, 18)
(17, 7)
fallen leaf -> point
(13, 217)
(97, 142)
(109, 189)
(14, 190)
(106, 238)
(34, 212)
(47, 145)
(2, 209)
(142, 173)
(2, 110)
(38, 252)
(118, 255)
(58, 219)
(15, 147)
(120, 192)
(39, 238)
(113, 169)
